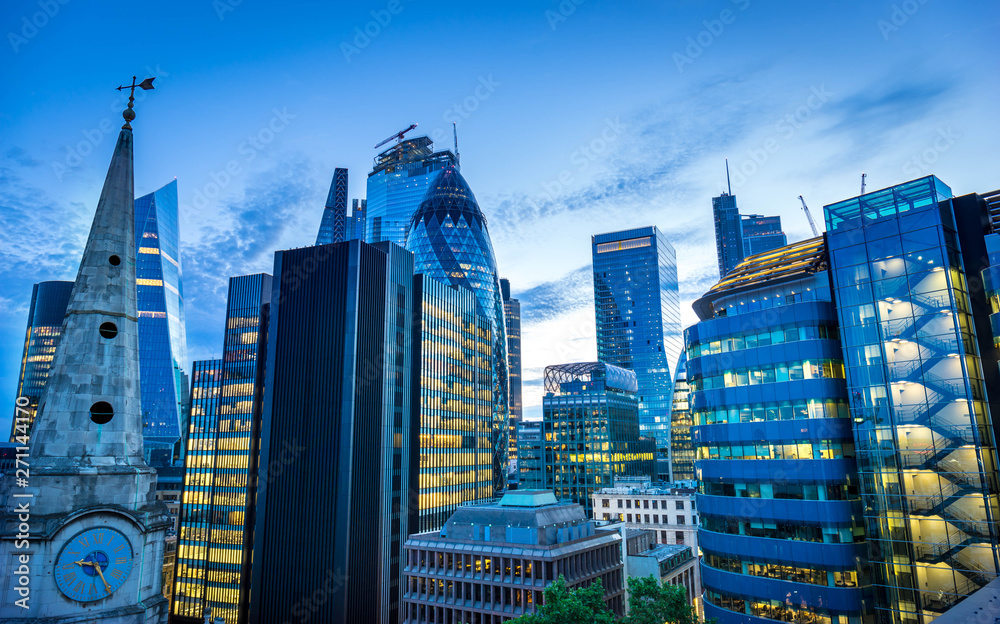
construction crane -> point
(809, 216)
(398, 136)
(863, 176)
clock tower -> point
(82, 534)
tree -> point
(570, 606)
(649, 603)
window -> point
(628, 504)
(680, 504)
(654, 504)
(680, 537)
(645, 504)
(681, 520)
(656, 519)
(619, 503)
(647, 518)
(605, 503)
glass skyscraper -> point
(455, 405)
(907, 263)
(637, 306)
(590, 431)
(681, 450)
(397, 184)
(45, 321)
(213, 555)
(512, 315)
(333, 228)
(335, 512)
(359, 208)
(450, 243)
(162, 335)
(782, 533)
(738, 236)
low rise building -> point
(666, 509)
(492, 562)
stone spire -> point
(89, 419)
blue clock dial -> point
(93, 564)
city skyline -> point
(512, 105)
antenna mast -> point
(454, 130)
(728, 183)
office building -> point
(637, 306)
(162, 334)
(530, 456)
(216, 534)
(454, 406)
(334, 226)
(681, 450)
(359, 208)
(761, 234)
(782, 533)
(669, 564)
(907, 264)
(492, 562)
(512, 315)
(590, 430)
(399, 179)
(338, 391)
(669, 511)
(738, 236)
(45, 321)
(451, 243)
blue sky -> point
(574, 118)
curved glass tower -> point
(782, 528)
(449, 241)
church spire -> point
(90, 414)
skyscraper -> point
(397, 185)
(781, 527)
(334, 226)
(590, 430)
(162, 334)
(681, 450)
(338, 386)
(738, 236)
(450, 243)
(637, 306)
(914, 320)
(453, 402)
(45, 321)
(512, 315)
(213, 561)
(359, 208)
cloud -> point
(554, 298)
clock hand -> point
(99, 572)
(87, 563)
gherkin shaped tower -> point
(449, 241)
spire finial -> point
(728, 183)
(129, 113)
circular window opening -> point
(115, 260)
(101, 412)
(108, 330)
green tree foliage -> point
(651, 604)
(648, 604)
(570, 606)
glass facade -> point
(397, 185)
(739, 236)
(512, 315)
(45, 320)
(162, 334)
(338, 435)
(638, 314)
(334, 226)
(681, 450)
(359, 208)
(590, 431)
(450, 243)
(213, 554)
(924, 439)
(530, 456)
(455, 403)
(782, 531)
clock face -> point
(93, 564)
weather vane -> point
(129, 113)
